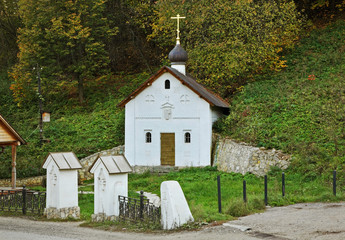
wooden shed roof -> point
(113, 164)
(63, 160)
(210, 97)
(8, 135)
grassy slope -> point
(92, 127)
(293, 111)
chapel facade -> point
(168, 119)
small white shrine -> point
(169, 118)
(110, 181)
(62, 185)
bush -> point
(237, 208)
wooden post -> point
(14, 171)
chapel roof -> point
(187, 80)
(8, 135)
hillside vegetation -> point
(85, 129)
(300, 110)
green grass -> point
(200, 188)
(300, 110)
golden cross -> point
(178, 26)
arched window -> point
(167, 84)
(187, 137)
(148, 137)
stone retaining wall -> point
(230, 156)
(86, 162)
(32, 181)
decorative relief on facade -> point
(167, 110)
(53, 176)
(150, 98)
(184, 99)
(102, 180)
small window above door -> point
(167, 84)
(148, 137)
(187, 137)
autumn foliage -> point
(230, 41)
(65, 41)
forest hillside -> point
(280, 64)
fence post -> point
(266, 199)
(244, 191)
(24, 199)
(219, 195)
(334, 182)
(141, 204)
(283, 184)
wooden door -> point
(168, 149)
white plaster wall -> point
(62, 187)
(145, 113)
(215, 115)
(100, 192)
(115, 184)
(52, 197)
(129, 132)
(120, 187)
(68, 188)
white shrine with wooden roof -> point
(110, 182)
(168, 119)
(62, 185)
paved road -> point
(24, 229)
(301, 221)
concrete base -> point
(62, 213)
(101, 217)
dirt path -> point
(300, 221)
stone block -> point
(174, 207)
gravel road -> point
(300, 221)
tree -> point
(130, 50)
(67, 39)
(230, 41)
(9, 22)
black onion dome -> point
(178, 54)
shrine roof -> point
(8, 135)
(114, 164)
(63, 160)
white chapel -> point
(168, 119)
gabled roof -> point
(113, 164)
(8, 135)
(188, 81)
(63, 160)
